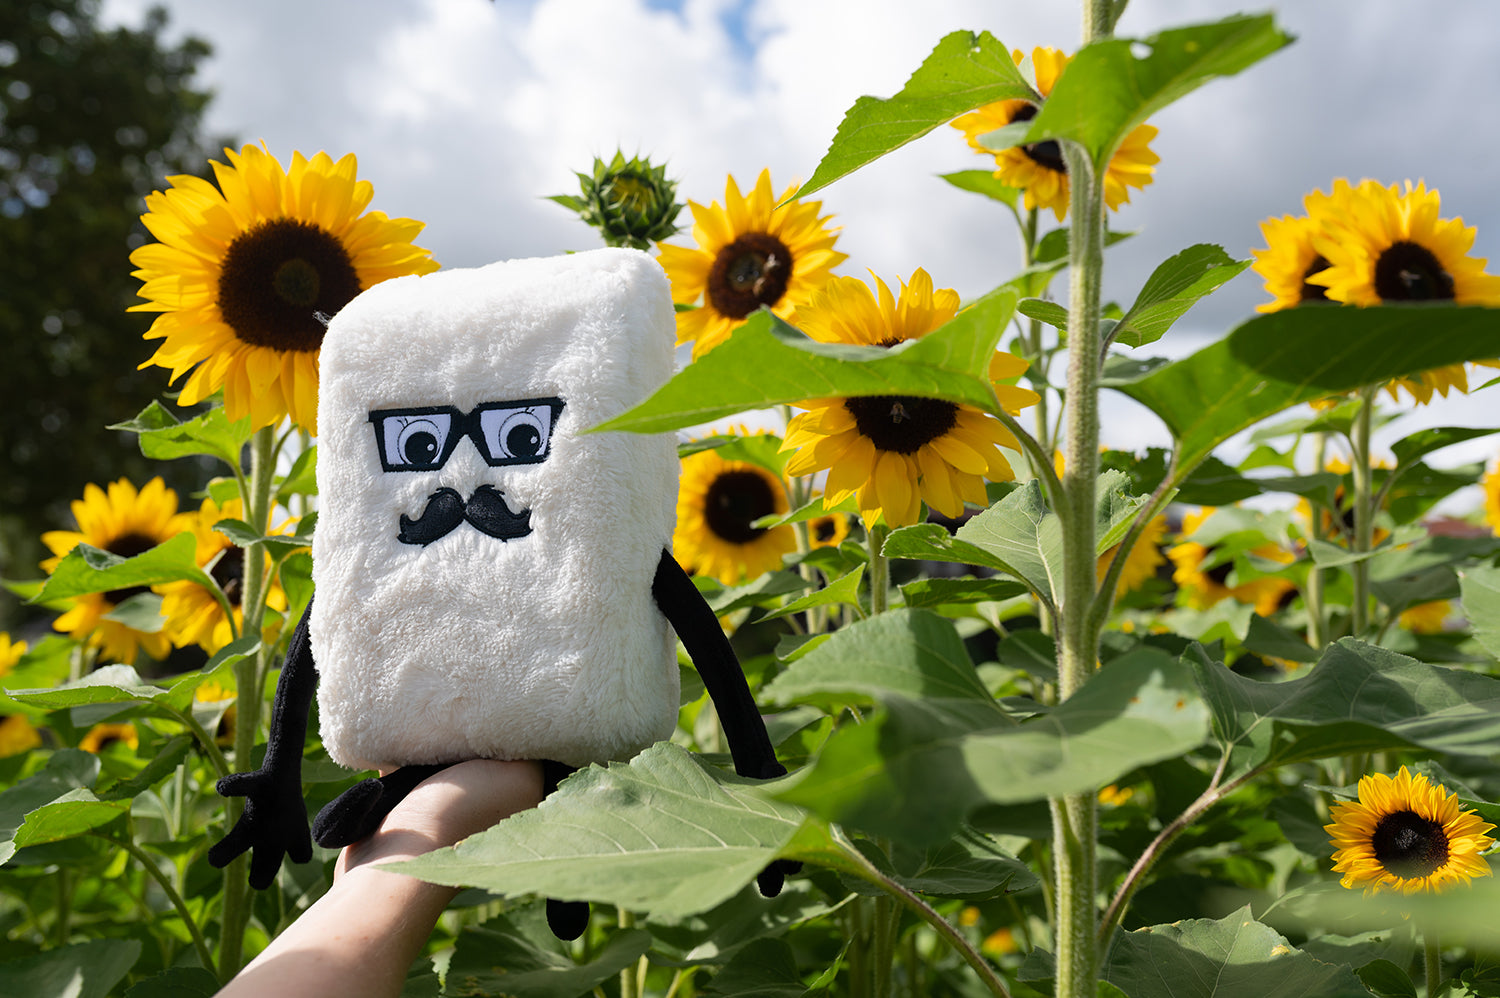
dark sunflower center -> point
(128, 546)
(107, 741)
(276, 276)
(1410, 272)
(1314, 292)
(1048, 154)
(901, 423)
(1409, 845)
(734, 501)
(1220, 572)
(750, 272)
(229, 573)
(824, 530)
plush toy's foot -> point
(358, 811)
(773, 878)
(567, 919)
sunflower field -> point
(1217, 719)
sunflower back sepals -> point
(631, 202)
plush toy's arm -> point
(274, 822)
(689, 614)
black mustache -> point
(486, 512)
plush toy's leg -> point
(698, 627)
(566, 919)
(358, 811)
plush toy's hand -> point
(773, 877)
(273, 825)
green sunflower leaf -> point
(841, 591)
(1018, 535)
(116, 684)
(83, 970)
(938, 746)
(1480, 586)
(664, 834)
(1358, 698)
(1106, 90)
(1043, 310)
(765, 968)
(1233, 957)
(75, 813)
(1173, 288)
(1412, 447)
(516, 954)
(67, 770)
(963, 72)
(985, 182)
(243, 535)
(1275, 361)
(760, 449)
(969, 866)
(927, 593)
(87, 569)
(163, 436)
(911, 653)
(766, 362)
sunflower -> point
(718, 502)
(1039, 169)
(17, 735)
(101, 736)
(1340, 529)
(1371, 245)
(897, 451)
(1201, 588)
(1406, 834)
(123, 522)
(1144, 559)
(242, 273)
(10, 652)
(1491, 485)
(193, 615)
(211, 693)
(1425, 618)
(1291, 255)
(752, 252)
(827, 531)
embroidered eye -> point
(416, 441)
(519, 435)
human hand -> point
(451, 805)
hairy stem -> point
(1364, 512)
(1074, 817)
(249, 675)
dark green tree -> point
(91, 120)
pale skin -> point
(359, 939)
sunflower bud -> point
(631, 203)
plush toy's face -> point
(483, 567)
(422, 438)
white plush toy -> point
(491, 581)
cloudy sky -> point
(466, 113)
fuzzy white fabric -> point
(547, 646)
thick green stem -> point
(880, 568)
(249, 675)
(1364, 512)
(1317, 627)
(1432, 963)
(629, 981)
(1075, 816)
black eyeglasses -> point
(423, 438)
